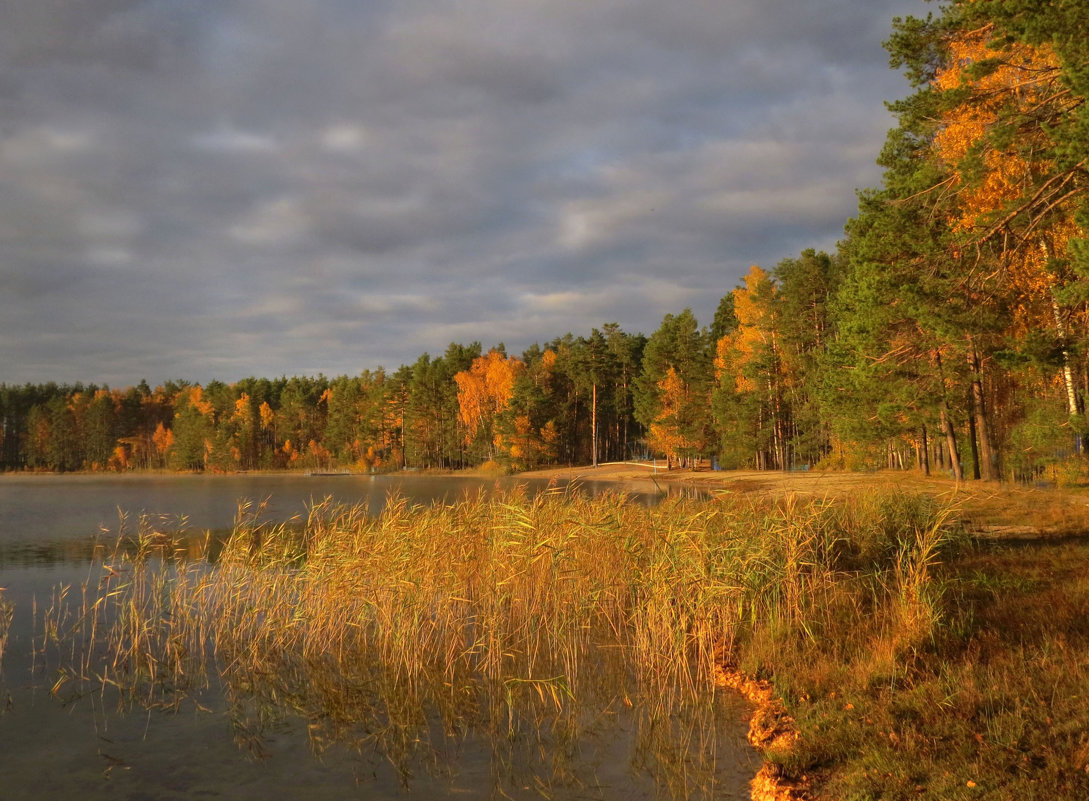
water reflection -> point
(62, 519)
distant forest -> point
(948, 331)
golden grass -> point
(520, 618)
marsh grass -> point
(526, 621)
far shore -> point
(999, 509)
(633, 476)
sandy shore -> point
(810, 483)
(988, 509)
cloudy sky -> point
(210, 189)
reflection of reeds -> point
(7, 611)
(524, 619)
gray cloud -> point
(221, 188)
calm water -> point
(81, 747)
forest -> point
(947, 332)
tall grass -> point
(520, 618)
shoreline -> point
(1024, 573)
(813, 482)
(771, 729)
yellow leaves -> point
(548, 360)
(665, 439)
(499, 375)
(243, 410)
(522, 425)
(195, 397)
(754, 332)
(76, 401)
(1012, 90)
(368, 458)
(526, 445)
(724, 356)
(268, 417)
(747, 307)
(1020, 78)
(485, 389)
(318, 454)
(163, 439)
(672, 391)
(665, 435)
(550, 435)
(120, 459)
(470, 401)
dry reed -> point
(518, 617)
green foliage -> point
(680, 345)
(1041, 446)
(725, 321)
(193, 430)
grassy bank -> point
(917, 662)
(994, 704)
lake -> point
(79, 744)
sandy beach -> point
(814, 483)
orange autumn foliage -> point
(268, 417)
(243, 412)
(665, 435)
(119, 461)
(754, 331)
(163, 439)
(485, 389)
(997, 180)
(1020, 77)
(196, 400)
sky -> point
(216, 189)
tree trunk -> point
(776, 429)
(951, 445)
(988, 456)
(973, 439)
(593, 425)
(926, 453)
(1068, 373)
(947, 424)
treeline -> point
(948, 331)
(453, 411)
